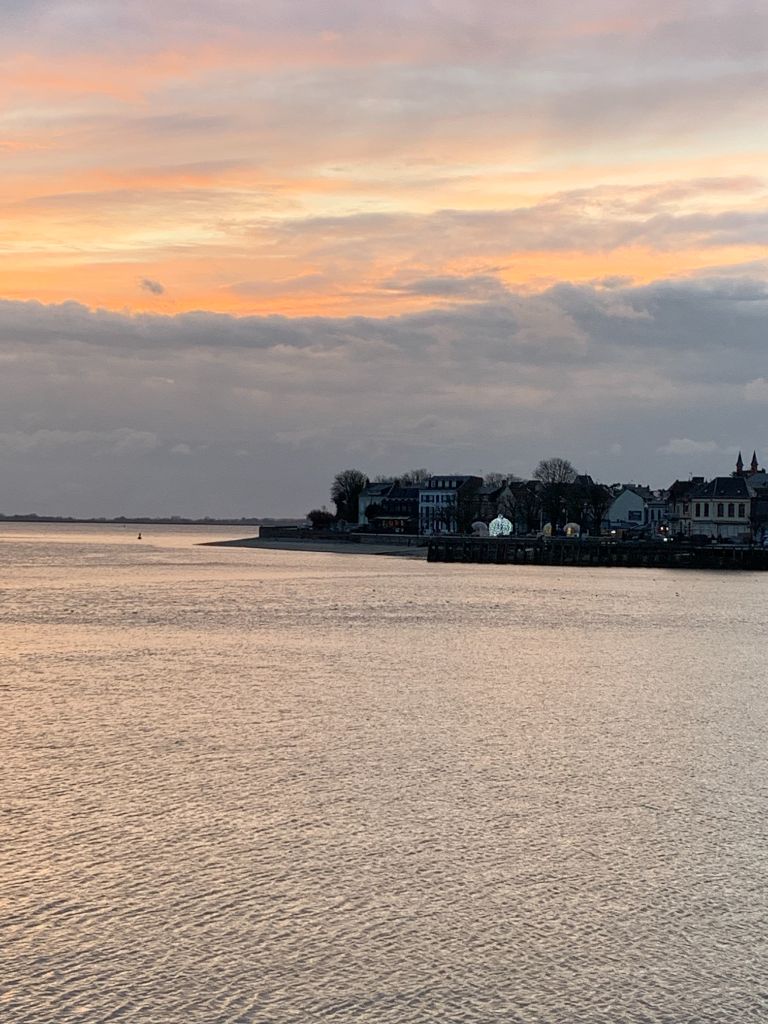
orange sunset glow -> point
(295, 168)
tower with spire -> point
(753, 466)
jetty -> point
(596, 551)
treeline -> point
(556, 493)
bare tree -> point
(597, 501)
(555, 471)
(556, 477)
(497, 479)
(345, 493)
(415, 478)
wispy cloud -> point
(148, 285)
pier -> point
(596, 551)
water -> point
(260, 786)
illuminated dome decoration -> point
(500, 527)
(572, 530)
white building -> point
(628, 509)
(440, 501)
(722, 509)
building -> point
(372, 494)
(445, 503)
(753, 470)
(628, 509)
(679, 505)
(722, 510)
(388, 507)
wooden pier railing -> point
(596, 551)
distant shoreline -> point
(148, 521)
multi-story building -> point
(722, 509)
(445, 503)
(388, 507)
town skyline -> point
(245, 518)
(244, 244)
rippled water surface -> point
(260, 786)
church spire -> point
(754, 466)
(739, 465)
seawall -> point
(596, 551)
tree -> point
(320, 518)
(529, 506)
(345, 492)
(555, 471)
(497, 479)
(597, 501)
(415, 478)
(373, 510)
(556, 477)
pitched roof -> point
(376, 490)
(401, 493)
(681, 488)
(728, 487)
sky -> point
(247, 244)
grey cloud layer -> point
(264, 409)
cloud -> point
(449, 286)
(122, 441)
(756, 390)
(148, 285)
(111, 401)
(686, 446)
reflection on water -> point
(254, 786)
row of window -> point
(720, 510)
(438, 498)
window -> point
(731, 512)
(697, 513)
(741, 511)
(634, 516)
(706, 510)
(720, 510)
